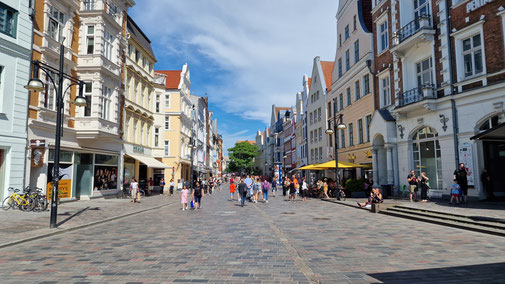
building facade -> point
(15, 56)
(439, 84)
(351, 89)
(275, 151)
(93, 33)
(199, 137)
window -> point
(472, 55)
(89, 5)
(347, 60)
(312, 154)
(424, 72)
(368, 121)
(426, 154)
(137, 55)
(320, 134)
(356, 51)
(360, 131)
(490, 123)
(157, 103)
(167, 100)
(420, 8)
(346, 33)
(357, 91)
(351, 134)
(88, 89)
(90, 40)
(342, 138)
(135, 134)
(341, 101)
(315, 136)
(317, 154)
(311, 119)
(106, 98)
(340, 67)
(141, 138)
(321, 153)
(329, 110)
(334, 106)
(135, 90)
(311, 137)
(50, 93)
(107, 46)
(127, 128)
(354, 22)
(319, 114)
(56, 23)
(386, 96)
(156, 136)
(348, 93)
(113, 10)
(366, 85)
(340, 40)
(167, 122)
(8, 20)
(167, 148)
(142, 95)
(384, 39)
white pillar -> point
(375, 167)
(390, 171)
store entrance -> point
(83, 175)
(494, 159)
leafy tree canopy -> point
(242, 158)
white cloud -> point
(264, 46)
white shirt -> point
(304, 185)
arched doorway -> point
(426, 155)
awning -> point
(311, 167)
(149, 161)
(341, 165)
(496, 133)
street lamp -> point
(334, 131)
(36, 85)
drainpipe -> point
(27, 168)
(455, 123)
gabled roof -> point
(139, 36)
(327, 67)
(310, 81)
(277, 109)
(173, 78)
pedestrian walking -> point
(162, 186)
(305, 190)
(184, 198)
(424, 184)
(150, 185)
(297, 187)
(171, 186)
(249, 182)
(461, 176)
(134, 190)
(265, 187)
(412, 180)
(256, 190)
(198, 193)
(242, 190)
(232, 190)
(285, 186)
(455, 191)
(274, 186)
(292, 190)
(325, 188)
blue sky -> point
(244, 55)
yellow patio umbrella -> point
(312, 167)
(341, 165)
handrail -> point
(413, 95)
(410, 29)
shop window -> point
(65, 156)
(106, 159)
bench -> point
(377, 207)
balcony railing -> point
(410, 29)
(415, 95)
(90, 5)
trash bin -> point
(387, 190)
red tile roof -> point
(277, 109)
(327, 69)
(310, 81)
(173, 78)
(250, 142)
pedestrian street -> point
(278, 242)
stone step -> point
(440, 219)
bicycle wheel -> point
(7, 203)
(27, 204)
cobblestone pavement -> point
(278, 242)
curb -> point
(61, 231)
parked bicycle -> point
(16, 200)
(39, 199)
(123, 193)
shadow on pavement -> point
(74, 215)
(481, 273)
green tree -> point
(242, 158)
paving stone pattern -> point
(278, 242)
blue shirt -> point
(248, 182)
(455, 188)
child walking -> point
(455, 190)
(184, 197)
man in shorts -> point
(412, 180)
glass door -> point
(83, 175)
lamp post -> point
(330, 131)
(36, 85)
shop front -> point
(139, 164)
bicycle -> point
(39, 199)
(124, 193)
(16, 200)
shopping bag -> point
(192, 204)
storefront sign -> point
(37, 157)
(64, 184)
(138, 149)
(476, 4)
(465, 156)
(37, 143)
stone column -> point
(375, 167)
(390, 170)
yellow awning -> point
(311, 167)
(341, 165)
